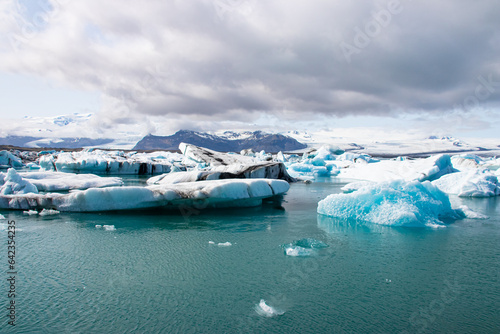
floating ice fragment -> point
(468, 213)
(211, 243)
(303, 247)
(98, 226)
(224, 244)
(109, 227)
(2, 217)
(266, 310)
(299, 251)
(30, 212)
(48, 212)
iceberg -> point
(12, 183)
(58, 181)
(197, 155)
(7, 160)
(471, 183)
(110, 162)
(395, 203)
(206, 194)
(267, 170)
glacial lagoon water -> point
(164, 272)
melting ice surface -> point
(396, 203)
(266, 310)
(303, 247)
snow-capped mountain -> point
(225, 142)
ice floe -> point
(266, 310)
(2, 217)
(216, 193)
(395, 203)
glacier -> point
(394, 203)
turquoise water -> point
(158, 273)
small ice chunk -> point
(224, 244)
(211, 242)
(2, 216)
(303, 247)
(48, 212)
(30, 212)
(98, 226)
(299, 251)
(266, 310)
(468, 213)
(109, 227)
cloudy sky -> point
(276, 64)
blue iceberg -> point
(395, 203)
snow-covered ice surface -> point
(470, 183)
(211, 194)
(395, 203)
(58, 181)
(420, 169)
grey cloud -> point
(187, 58)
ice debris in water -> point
(48, 212)
(98, 226)
(224, 244)
(266, 310)
(303, 247)
(2, 216)
(109, 227)
(211, 242)
(468, 213)
(30, 212)
(396, 203)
